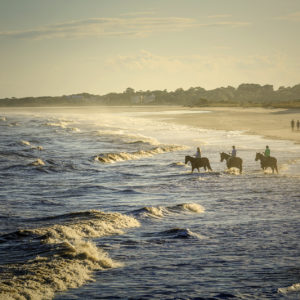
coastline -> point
(266, 122)
(269, 123)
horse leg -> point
(276, 169)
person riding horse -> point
(267, 162)
(198, 163)
(232, 161)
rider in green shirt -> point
(267, 151)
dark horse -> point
(198, 163)
(232, 162)
(267, 162)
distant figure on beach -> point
(233, 152)
(198, 153)
(267, 152)
(298, 125)
(292, 124)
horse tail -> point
(208, 166)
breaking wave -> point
(37, 162)
(128, 138)
(64, 258)
(62, 124)
(123, 156)
(181, 233)
(26, 143)
(293, 288)
(162, 211)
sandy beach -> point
(270, 123)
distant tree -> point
(129, 91)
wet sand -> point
(270, 123)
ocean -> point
(99, 204)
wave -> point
(192, 207)
(181, 233)
(162, 211)
(152, 211)
(65, 258)
(128, 138)
(26, 143)
(293, 288)
(62, 124)
(123, 156)
(37, 162)
(13, 154)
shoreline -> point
(269, 123)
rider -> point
(198, 153)
(233, 152)
(267, 152)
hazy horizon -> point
(54, 48)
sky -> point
(63, 47)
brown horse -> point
(198, 163)
(232, 162)
(267, 162)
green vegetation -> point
(246, 95)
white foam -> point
(193, 207)
(26, 143)
(58, 124)
(123, 156)
(156, 212)
(37, 162)
(293, 288)
(74, 258)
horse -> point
(198, 163)
(232, 162)
(267, 162)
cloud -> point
(231, 24)
(293, 17)
(111, 27)
(104, 27)
(139, 13)
(219, 16)
(146, 61)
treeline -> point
(244, 95)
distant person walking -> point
(267, 151)
(198, 153)
(298, 125)
(233, 152)
(292, 124)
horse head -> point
(186, 159)
(258, 156)
(223, 156)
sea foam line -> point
(123, 156)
